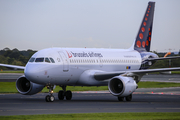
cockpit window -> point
(52, 60)
(39, 60)
(31, 59)
(47, 60)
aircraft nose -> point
(32, 72)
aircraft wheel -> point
(51, 98)
(47, 98)
(68, 95)
(61, 95)
(121, 98)
(129, 98)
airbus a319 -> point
(119, 69)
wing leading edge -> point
(13, 66)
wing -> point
(100, 76)
(13, 66)
(162, 58)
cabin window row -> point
(103, 61)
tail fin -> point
(143, 39)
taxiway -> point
(16, 104)
(144, 100)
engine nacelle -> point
(122, 86)
(27, 87)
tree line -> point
(17, 57)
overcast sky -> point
(39, 24)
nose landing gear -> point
(50, 98)
(63, 93)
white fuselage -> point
(70, 63)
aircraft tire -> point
(129, 98)
(47, 98)
(121, 98)
(68, 95)
(61, 95)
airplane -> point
(119, 69)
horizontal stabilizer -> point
(162, 58)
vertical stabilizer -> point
(143, 39)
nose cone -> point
(33, 72)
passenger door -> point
(65, 61)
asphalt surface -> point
(162, 78)
(16, 104)
(144, 100)
(9, 77)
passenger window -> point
(39, 60)
(31, 59)
(52, 60)
(47, 60)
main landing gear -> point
(128, 98)
(63, 93)
(50, 98)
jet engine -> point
(122, 86)
(27, 87)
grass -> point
(97, 116)
(78, 88)
(175, 72)
(13, 71)
(10, 87)
(157, 84)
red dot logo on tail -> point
(143, 44)
(142, 29)
(149, 38)
(138, 43)
(147, 42)
(144, 23)
(141, 36)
